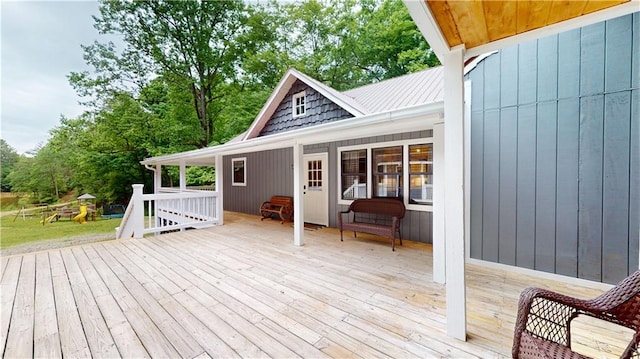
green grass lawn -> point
(31, 230)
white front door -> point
(316, 189)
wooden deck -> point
(244, 290)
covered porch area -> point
(245, 290)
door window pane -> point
(314, 175)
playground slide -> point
(82, 216)
(49, 219)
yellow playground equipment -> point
(50, 219)
(82, 216)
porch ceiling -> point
(478, 24)
(475, 23)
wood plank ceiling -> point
(479, 22)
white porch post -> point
(454, 192)
(137, 213)
(298, 194)
(219, 189)
(183, 176)
(439, 240)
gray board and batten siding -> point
(319, 110)
(555, 153)
(270, 173)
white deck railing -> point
(167, 212)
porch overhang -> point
(488, 25)
(402, 120)
(459, 30)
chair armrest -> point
(553, 314)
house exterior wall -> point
(555, 153)
(319, 110)
(268, 173)
(416, 225)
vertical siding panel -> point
(525, 217)
(567, 188)
(592, 59)
(415, 225)
(635, 74)
(477, 145)
(569, 64)
(545, 205)
(634, 175)
(491, 90)
(590, 188)
(615, 199)
(491, 185)
(548, 68)
(508, 180)
(508, 77)
(477, 87)
(527, 54)
(618, 54)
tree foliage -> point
(8, 158)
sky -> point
(40, 46)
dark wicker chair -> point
(544, 319)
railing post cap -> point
(137, 185)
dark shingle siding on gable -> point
(319, 110)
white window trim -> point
(405, 172)
(233, 179)
(296, 96)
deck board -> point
(46, 339)
(244, 290)
(8, 286)
(22, 316)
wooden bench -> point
(280, 205)
(379, 216)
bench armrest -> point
(340, 217)
(265, 205)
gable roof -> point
(404, 91)
(283, 87)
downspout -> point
(154, 170)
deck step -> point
(203, 225)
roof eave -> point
(412, 118)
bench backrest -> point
(383, 206)
(280, 201)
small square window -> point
(239, 175)
(299, 104)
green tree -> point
(8, 159)
(343, 43)
(189, 43)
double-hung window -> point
(239, 175)
(387, 171)
(421, 174)
(353, 178)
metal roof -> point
(422, 87)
